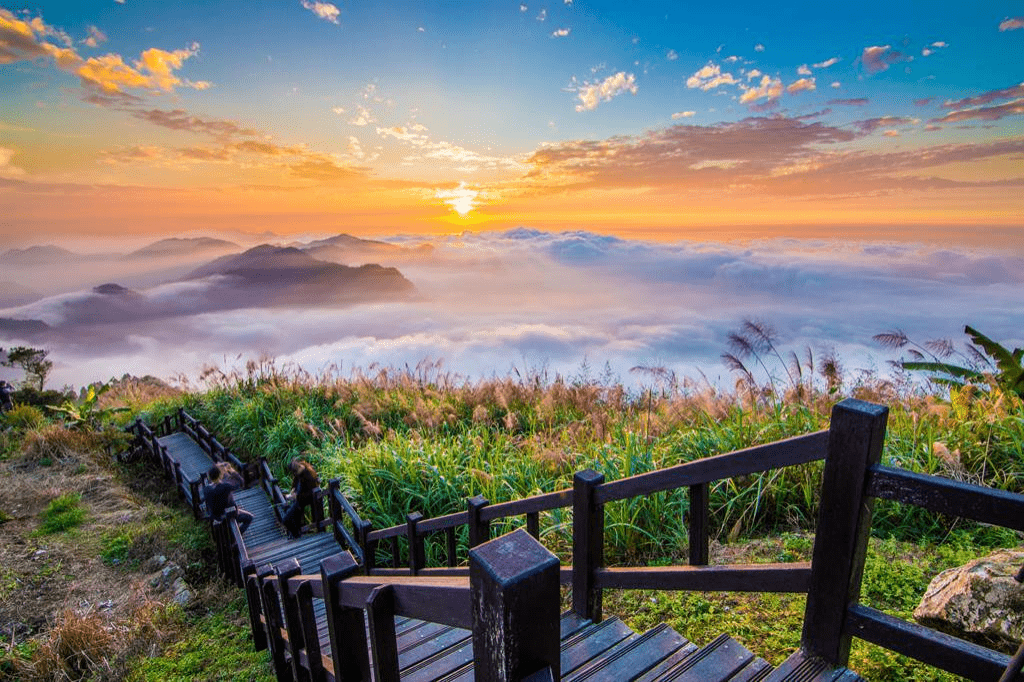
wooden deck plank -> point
(632, 657)
(718, 661)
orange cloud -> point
(109, 74)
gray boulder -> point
(980, 601)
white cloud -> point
(338, 110)
(710, 76)
(543, 15)
(827, 63)
(800, 85)
(523, 8)
(754, 73)
(324, 10)
(363, 117)
(592, 94)
(683, 114)
(672, 55)
(560, 33)
(770, 88)
(931, 49)
(836, 84)
(803, 70)
(759, 48)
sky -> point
(600, 182)
(662, 121)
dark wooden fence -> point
(283, 604)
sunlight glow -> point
(461, 199)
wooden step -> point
(721, 660)
(631, 657)
(801, 667)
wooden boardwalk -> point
(327, 611)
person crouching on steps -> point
(219, 497)
(304, 482)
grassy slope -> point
(405, 441)
(75, 599)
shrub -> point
(24, 417)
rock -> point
(154, 563)
(182, 595)
(980, 601)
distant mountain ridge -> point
(45, 254)
(263, 276)
(287, 275)
(183, 246)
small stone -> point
(182, 595)
(154, 563)
(108, 604)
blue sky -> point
(490, 115)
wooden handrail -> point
(783, 453)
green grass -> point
(61, 514)
(412, 441)
(215, 647)
(400, 442)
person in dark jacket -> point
(6, 402)
(219, 496)
(304, 482)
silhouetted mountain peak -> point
(112, 290)
(264, 257)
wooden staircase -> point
(327, 610)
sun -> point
(461, 199)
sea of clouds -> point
(524, 301)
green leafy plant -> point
(24, 417)
(63, 513)
(984, 361)
(86, 413)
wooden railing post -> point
(193, 487)
(417, 552)
(289, 568)
(310, 636)
(252, 598)
(451, 547)
(515, 597)
(699, 497)
(587, 544)
(369, 547)
(855, 439)
(181, 418)
(318, 509)
(345, 626)
(216, 530)
(380, 617)
(272, 615)
(334, 510)
(479, 530)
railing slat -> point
(935, 648)
(946, 496)
(783, 453)
(795, 577)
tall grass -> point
(418, 439)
